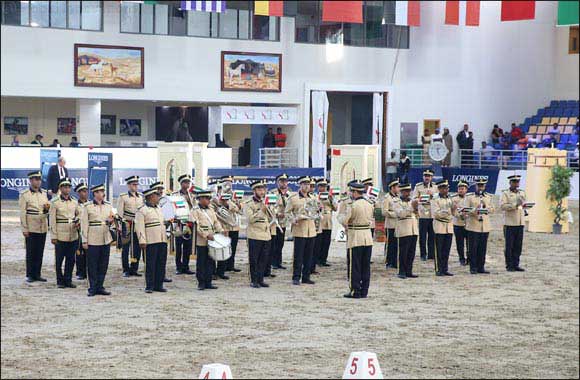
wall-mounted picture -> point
(108, 125)
(251, 72)
(109, 66)
(66, 126)
(130, 127)
(15, 125)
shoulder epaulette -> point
(292, 195)
(140, 207)
(54, 199)
(43, 191)
(107, 202)
(25, 191)
(122, 195)
(469, 194)
(454, 195)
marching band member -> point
(343, 207)
(34, 206)
(183, 247)
(278, 243)
(219, 203)
(160, 187)
(368, 183)
(459, 221)
(443, 211)
(406, 231)
(127, 205)
(152, 237)
(304, 231)
(323, 239)
(478, 226)
(96, 217)
(206, 226)
(273, 233)
(513, 204)
(231, 229)
(64, 225)
(259, 235)
(81, 255)
(358, 218)
(424, 190)
(391, 199)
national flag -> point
(408, 13)
(238, 194)
(204, 6)
(373, 192)
(271, 199)
(342, 11)
(518, 10)
(269, 8)
(462, 13)
(334, 191)
(195, 189)
(567, 13)
(323, 196)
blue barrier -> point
(454, 175)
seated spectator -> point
(504, 142)
(486, 150)
(74, 142)
(523, 143)
(554, 130)
(516, 133)
(496, 134)
(55, 143)
(533, 142)
(15, 141)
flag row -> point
(464, 12)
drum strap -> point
(208, 218)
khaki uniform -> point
(278, 240)
(207, 223)
(184, 247)
(149, 225)
(389, 213)
(442, 211)
(406, 232)
(426, 233)
(127, 205)
(81, 257)
(459, 226)
(511, 204)
(64, 219)
(421, 189)
(459, 202)
(303, 228)
(473, 223)
(33, 216)
(94, 226)
(328, 207)
(258, 221)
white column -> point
(89, 121)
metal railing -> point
(278, 157)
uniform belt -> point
(260, 221)
(153, 224)
(442, 220)
(62, 220)
(96, 223)
(406, 218)
(361, 226)
(32, 212)
(128, 213)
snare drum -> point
(220, 248)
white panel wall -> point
(567, 77)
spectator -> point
(280, 138)
(465, 142)
(426, 141)
(448, 140)
(516, 133)
(74, 142)
(574, 159)
(180, 128)
(504, 142)
(554, 130)
(55, 174)
(55, 143)
(533, 142)
(38, 140)
(437, 136)
(496, 134)
(404, 167)
(15, 141)
(391, 164)
(486, 151)
(268, 141)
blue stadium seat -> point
(554, 103)
(536, 120)
(541, 112)
(575, 112)
(568, 112)
(573, 139)
(561, 146)
(559, 111)
(549, 112)
(564, 139)
(524, 128)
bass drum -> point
(220, 248)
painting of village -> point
(251, 72)
(108, 66)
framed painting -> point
(260, 72)
(66, 126)
(108, 125)
(130, 127)
(15, 125)
(109, 66)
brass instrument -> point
(481, 209)
(310, 211)
(226, 217)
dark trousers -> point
(360, 270)
(127, 266)
(231, 262)
(205, 266)
(34, 252)
(460, 241)
(278, 244)
(81, 261)
(407, 247)
(514, 238)
(442, 249)
(268, 259)
(97, 264)
(316, 252)
(325, 246)
(259, 252)
(65, 251)
(155, 262)
(426, 238)
(392, 248)
(477, 250)
(303, 248)
(183, 249)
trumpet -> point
(226, 217)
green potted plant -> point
(559, 190)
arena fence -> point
(278, 157)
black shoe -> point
(214, 277)
(167, 280)
(178, 272)
(402, 276)
(255, 285)
(295, 282)
(510, 269)
(60, 286)
(325, 265)
(438, 274)
(126, 274)
(308, 282)
(81, 278)
(224, 277)
(462, 262)
(103, 292)
(263, 284)
(148, 291)
(70, 285)
(162, 290)
(90, 294)
(282, 267)
(423, 258)
(363, 295)
(315, 272)
(482, 272)
(519, 269)
(200, 287)
(211, 287)
(473, 271)
(187, 271)
(40, 279)
(272, 275)
(352, 295)
(236, 270)
(412, 276)
(135, 274)
(448, 274)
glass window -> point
(58, 14)
(374, 20)
(129, 17)
(198, 24)
(263, 28)
(25, 13)
(228, 24)
(397, 36)
(177, 21)
(161, 18)
(91, 15)
(214, 24)
(39, 13)
(244, 24)
(74, 14)
(147, 11)
(306, 22)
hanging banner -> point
(319, 125)
(48, 158)
(100, 170)
(378, 126)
